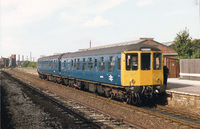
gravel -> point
(23, 110)
(141, 118)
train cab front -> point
(142, 72)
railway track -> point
(91, 116)
(180, 118)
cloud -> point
(142, 3)
(176, 12)
(98, 21)
(69, 18)
(16, 13)
(103, 5)
(87, 13)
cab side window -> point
(157, 61)
(132, 61)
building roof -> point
(112, 49)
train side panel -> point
(101, 68)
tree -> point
(196, 48)
(183, 45)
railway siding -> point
(132, 114)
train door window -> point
(68, 64)
(74, 64)
(65, 64)
(146, 61)
(78, 64)
(157, 61)
(83, 64)
(101, 64)
(54, 64)
(95, 63)
(111, 64)
(90, 64)
(49, 64)
(62, 65)
(132, 61)
(119, 64)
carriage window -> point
(90, 64)
(132, 61)
(157, 61)
(111, 64)
(78, 64)
(49, 64)
(95, 63)
(101, 64)
(119, 64)
(68, 64)
(54, 64)
(83, 64)
(64, 63)
(146, 61)
(74, 64)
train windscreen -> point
(146, 61)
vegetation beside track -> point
(29, 64)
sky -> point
(46, 27)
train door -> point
(146, 68)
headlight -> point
(132, 81)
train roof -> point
(106, 49)
(58, 56)
(112, 49)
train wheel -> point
(111, 96)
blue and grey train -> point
(126, 72)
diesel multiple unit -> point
(125, 72)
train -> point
(129, 73)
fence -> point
(190, 69)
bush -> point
(29, 64)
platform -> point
(189, 87)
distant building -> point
(12, 61)
(4, 62)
